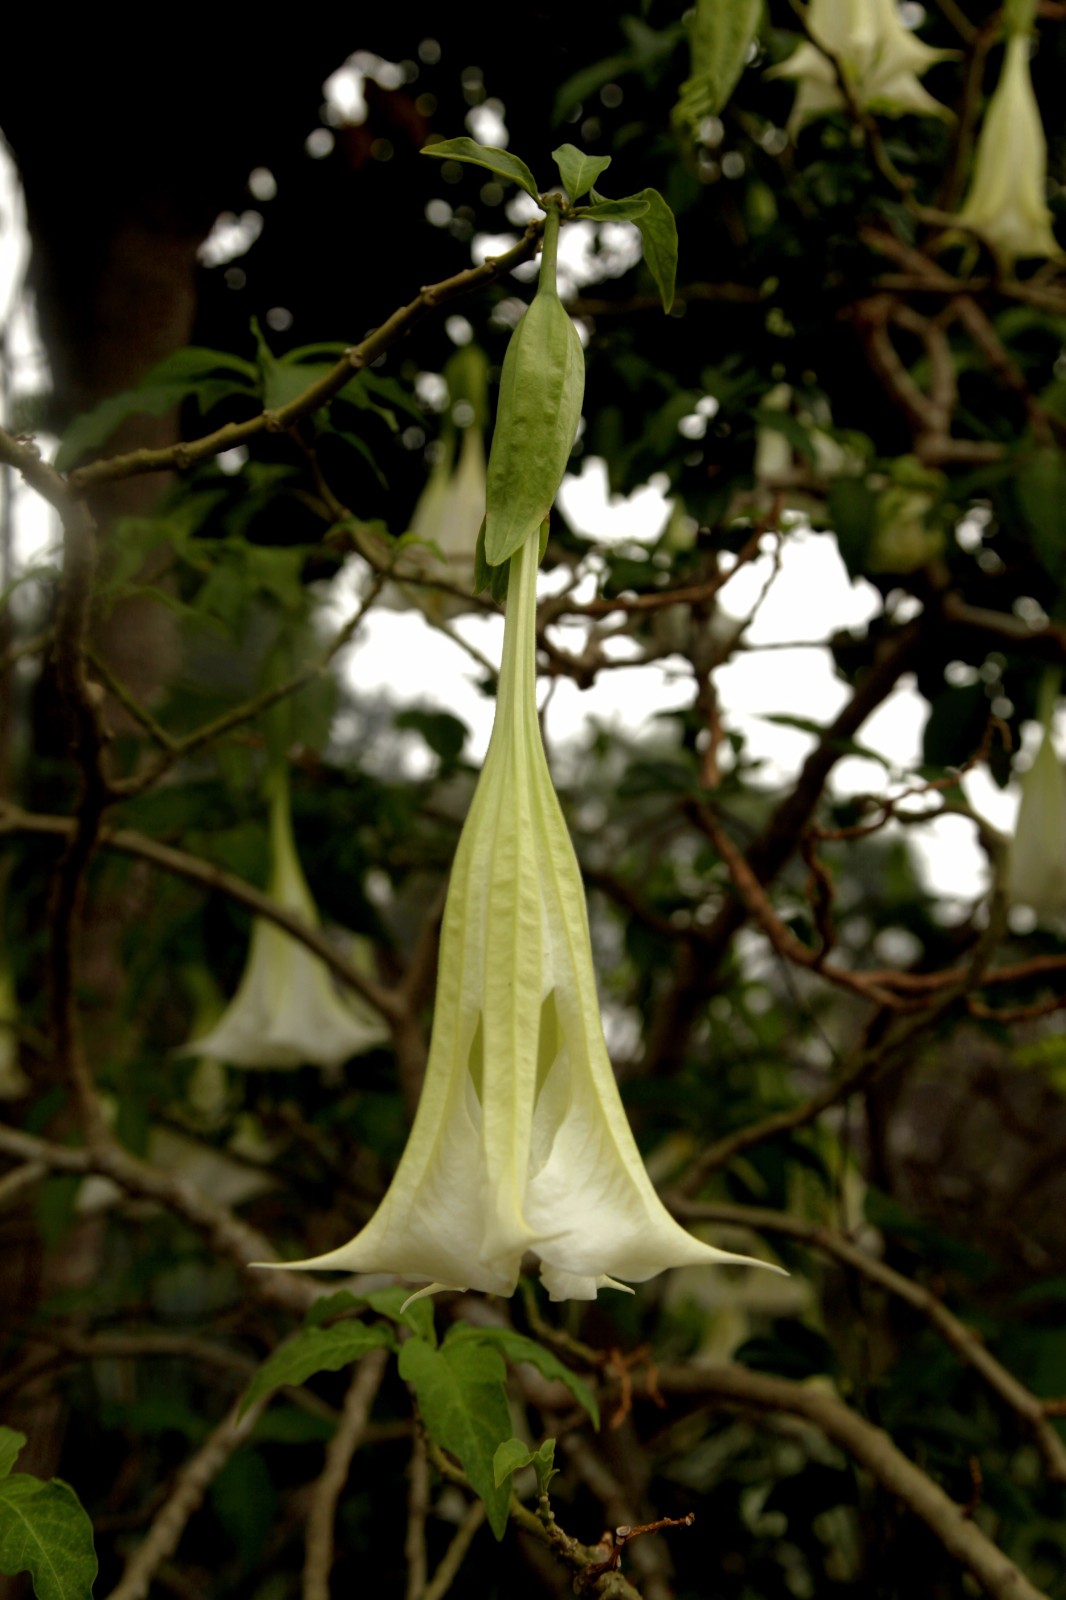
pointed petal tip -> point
(432, 1288)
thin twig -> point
(188, 453)
(871, 1447)
(177, 749)
(190, 1486)
(967, 1344)
(355, 1413)
(452, 1559)
(209, 876)
(414, 1544)
(226, 1232)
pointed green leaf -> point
(44, 1531)
(516, 1347)
(1041, 490)
(418, 1316)
(721, 38)
(544, 1465)
(315, 1350)
(511, 1456)
(10, 1445)
(578, 171)
(502, 162)
(463, 1404)
(627, 210)
(330, 1305)
(92, 430)
(658, 230)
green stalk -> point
(549, 253)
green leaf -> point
(852, 509)
(315, 1350)
(207, 376)
(578, 171)
(516, 1347)
(330, 1305)
(286, 380)
(463, 1404)
(444, 734)
(1041, 490)
(658, 230)
(502, 162)
(91, 431)
(44, 1531)
(721, 37)
(494, 579)
(10, 1445)
(615, 210)
(544, 1465)
(418, 1316)
(513, 1455)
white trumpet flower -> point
(287, 1010)
(1037, 876)
(448, 516)
(520, 1141)
(880, 59)
(1007, 202)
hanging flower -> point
(1007, 202)
(1038, 851)
(880, 59)
(287, 1010)
(451, 507)
(520, 1141)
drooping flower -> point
(1037, 876)
(287, 1010)
(520, 1141)
(1007, 203)
(881, 61)
(451, 507)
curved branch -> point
(872, 1448)
(966, 1344)
(355, 1413)
(130, 843)
(187, 454)
(190, 1486)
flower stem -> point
(549, 253)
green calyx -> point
(539, 409)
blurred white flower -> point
(1038, 851)
(1007, 202)
(880, 59)
(287, 1010)
(520, 1141)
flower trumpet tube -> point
(520, 1141)
(287, 1010)
(1007, 202)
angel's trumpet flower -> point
(287, 1010)
(880, 60)
(1007, 202)
(520, 1141)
